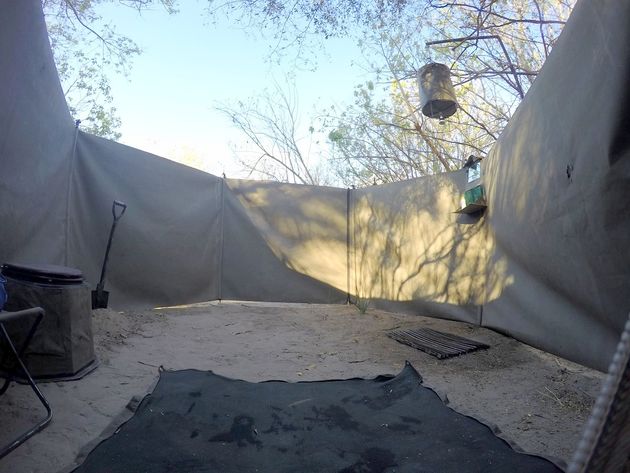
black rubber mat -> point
(439, 344)
(197, 422)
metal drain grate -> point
(439, 344)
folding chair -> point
(38, 312)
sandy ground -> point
(537, 400)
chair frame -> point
(18, 353)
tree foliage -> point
(382, 136)
(277, 147)
(297, 24)
(87, 52)
(388, 138)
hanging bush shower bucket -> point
(437, 96)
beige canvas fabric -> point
(548, 262)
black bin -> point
(63, 346)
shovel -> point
(100, 296)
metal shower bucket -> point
(437, 96)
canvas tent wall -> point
(36, 137)
(410, 251)
(558, 182)
(284, 242)
(548, 263)
(167, 248)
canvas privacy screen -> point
(547, 263)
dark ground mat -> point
(200, 422)
(439, 344)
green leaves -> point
(335, 136)
(87, 53)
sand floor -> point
(537, 400)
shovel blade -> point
(99, 299)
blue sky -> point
(189, 64)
